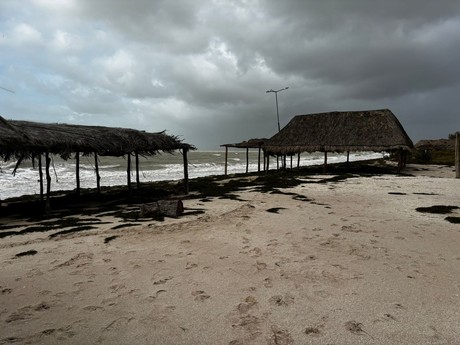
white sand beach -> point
(336, 262)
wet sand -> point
(326, 262)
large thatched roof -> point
(371, 130)
(24, 138)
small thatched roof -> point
(371, 130)
(436, 144)
(24, 138)
(248, 144)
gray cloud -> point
(200, 68)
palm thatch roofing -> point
(248, 144)
(23, 139)
(370, 130)
(436, 144)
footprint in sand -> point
(261, 265)
(282, 300)
(313, 331)
(249, 302)
(190, 265)
(59, 333)
(249, 323)
(5, 291)
(106, 332)
(155, 296)
(268, 282)
(255, 252)
(162, 281)
(399, 306)
(273, 242)
(200, 295)
(280, 337)
(386, 317)
(116, 287)
(355, 328)
(27, 313)
(236, 342)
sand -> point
(336, 262)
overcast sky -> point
(200, 69)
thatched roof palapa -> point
(436, 144)
(371, 130)
(24, 138)
(248, 144)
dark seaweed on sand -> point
(453, 220)
(438, 209)
(69, 231)
(126, 225)
(275, 209)
(55, 225)
(109, 239)
(26, 253)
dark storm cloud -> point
(200, 68)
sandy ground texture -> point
(327, 262)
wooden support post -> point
(348, 157)
(138, 183)
(298, 160)
(40, 174)
(457, 155)
(325, 162)
(277, 162)
(77, 171)
(48, 182)
(268, 162)
(186, 186)
(258, 160)
(128, 171)
(226, 159)
(247, 160)
(98, 177)
(400, 160)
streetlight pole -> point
(276, 98)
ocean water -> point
(157, 168)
